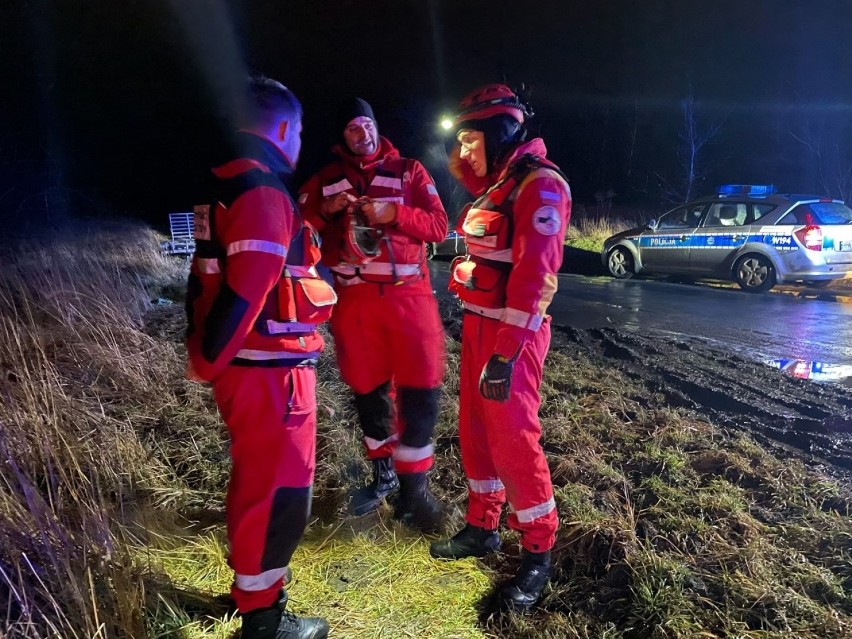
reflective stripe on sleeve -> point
(518, 318)
(208, 266)
(527, 515)
(337, 187)
(485, 485)
(410, 454)
(260, 246)
(264, 580)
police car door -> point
(666, 247)
(724, 230)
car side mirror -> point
(652, 224)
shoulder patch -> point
(546, 220)
(201, 222)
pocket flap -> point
(318, 292)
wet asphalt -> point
(805, 337)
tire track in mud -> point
(728, 390)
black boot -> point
(277, 623)
(470, 541)
(367, 498)
(417, 507)
(524, 590)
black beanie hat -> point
(351, 109)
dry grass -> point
(112, 472)
(589, 233)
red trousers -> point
(271, 419)
(500, 446)
(391, 352)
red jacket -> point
(385, 176)
(234, 302)
(514, 234)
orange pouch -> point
(314, 300)
(478, 283)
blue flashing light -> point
(753, 190)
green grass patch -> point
(380, 583)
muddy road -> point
(677, 359)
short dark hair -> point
(268, 100)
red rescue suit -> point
(254, 302)
(514, 235)
(387, 331)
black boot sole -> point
(476, 554)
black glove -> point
(496, 378)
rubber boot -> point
(367, 498)
(417, 507)
(524, 591)
(276, 622)
(470, 541)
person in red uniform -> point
(254, 301)
(387, 331)
(514, 233)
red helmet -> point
(488, 101)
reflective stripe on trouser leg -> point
(513, 431)
(418, 412)
(273, 440)
(376, 414)
(485, 491)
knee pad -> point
(288, 519)
(375, 412)
(418, 409)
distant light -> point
(446, 124)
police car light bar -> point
(756, 190)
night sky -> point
(118, 106)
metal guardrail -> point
(182, 241)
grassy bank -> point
(113, 469)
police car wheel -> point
(620, 263)
(430, 250)
(754, 273)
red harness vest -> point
(397, 257)
(480, 277)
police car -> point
(746, 233)
(452, 244)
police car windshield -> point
(831, 212)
